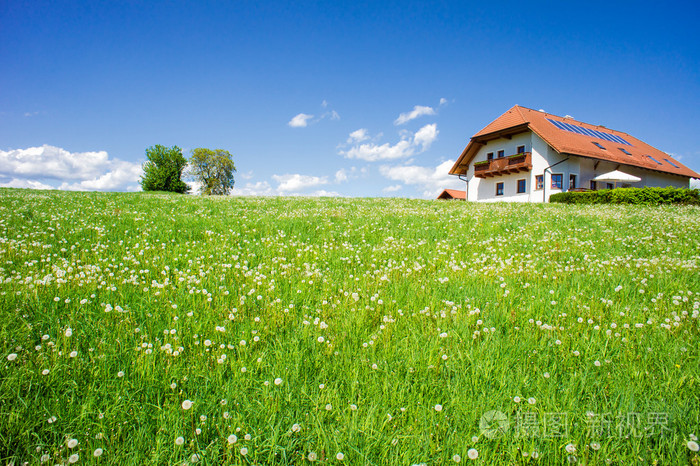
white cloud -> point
(373, 152)
(443, 101)
(300, 121)
(30, 184)
(261, 188)
(392, 188)
(122, 175)
(418, 111)
(358, 136)
(246, 175)
(406, 147)
(426, 135)
(430, 180)
(39, 166)
(295, 182)
(334, 115)
(341, 175)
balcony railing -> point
(504, 165)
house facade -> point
(527, 155)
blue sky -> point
(308, 96)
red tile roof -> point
(452, 194)
(519, 119)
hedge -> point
(644, 196)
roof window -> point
(652, 158)
(672, 163)
(599, 145)
(624, 151)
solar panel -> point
(588, 132)
(672, 163)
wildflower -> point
(173, 386)
(98, 452)
(438, 408)
(320, 339)
(73, 354)
(69, 332)
(12, 356)
(179, 441)
(45, 372)
(278, 381)
(596, 363)
(472, 454)
(693, 445)
(232, 439)
(312, 456)
(570, 448)
(340, 456)
(120, 374)
(516, 399)
(353, 407)
(73, 458)
(243, 369)
(296, 428)
(187, 404)
(72, 443)
(247, 437)
(329, 407)
(456, 458)
(595, 446)
(531, 400)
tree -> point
(213, 169)
(163, 169)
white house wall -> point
(591, 168)
(484, 189)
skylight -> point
(588, 132)
(624, 150)
(672, 163)
(652, 158)
(599, 145)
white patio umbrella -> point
(617, 176)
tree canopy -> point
(213, 169)
(163, 169)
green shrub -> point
(643, 196)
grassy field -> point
(164, 329)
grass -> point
(393, 326)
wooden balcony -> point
(504, 166)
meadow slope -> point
(163, 329)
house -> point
(453, 194)
(527, 155)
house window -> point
(557, 181)
(539, 182)
(609, 186)
(501, 154)
(489, 156)
(593, 187)
(521, 149)
(572, 181)
(499, 189)
(521, 186)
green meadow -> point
(169, 329)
